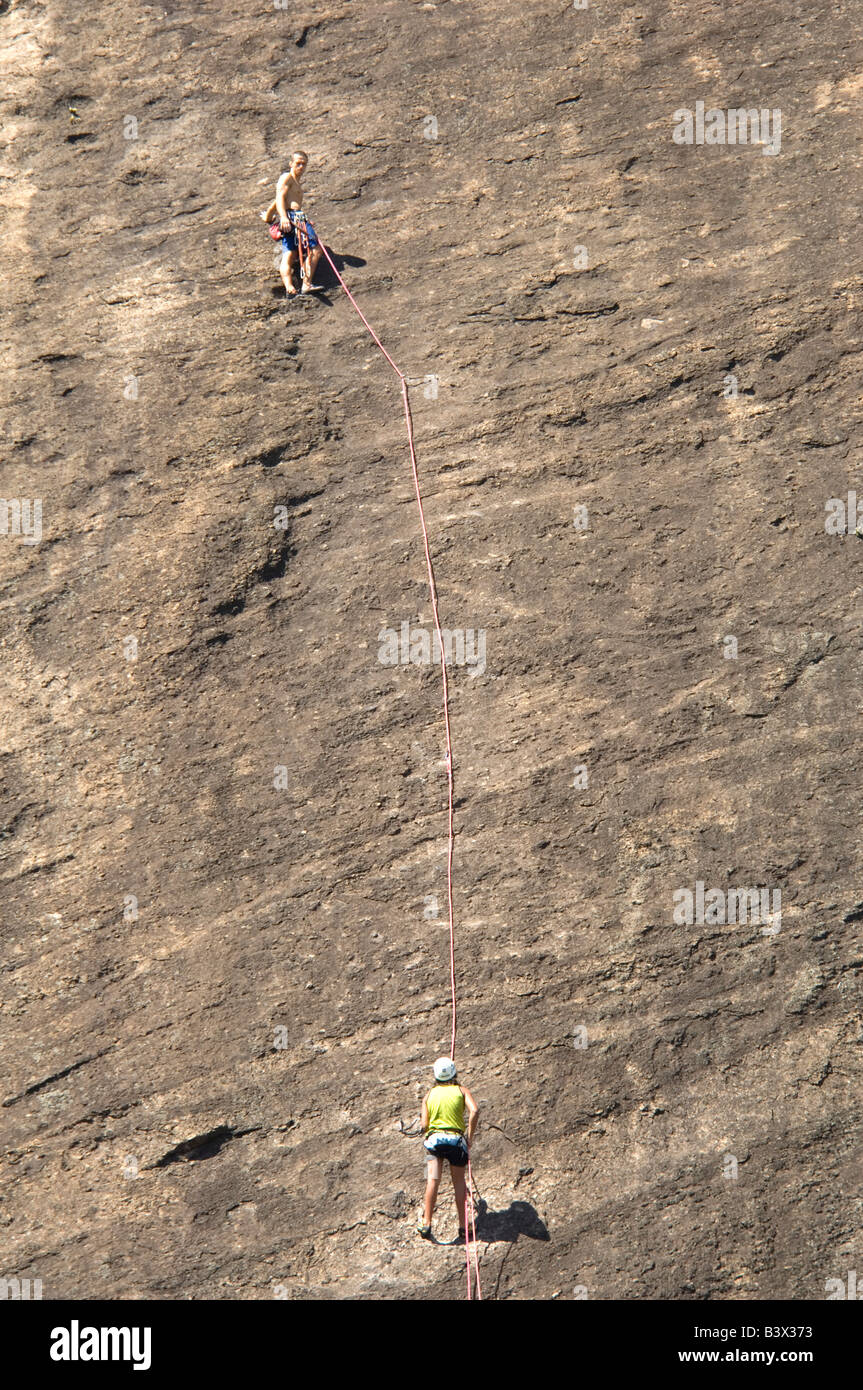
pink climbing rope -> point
(433, 591)
(471, 1233)
(449, 769)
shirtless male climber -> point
(287, 208)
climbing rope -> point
(433, 591)
(303, 248)
(470, 1233)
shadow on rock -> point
(519, 1219)
(341, 261)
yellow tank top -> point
(446, 1108)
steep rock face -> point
(223, 986)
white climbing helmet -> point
(444, 1069)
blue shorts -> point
(289, 239)
(449, 1146)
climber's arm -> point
(472, 1113)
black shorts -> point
(450, 1146)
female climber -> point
(443, 1122)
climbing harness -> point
(303, 250)
(470, 1233)
(297, 219)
